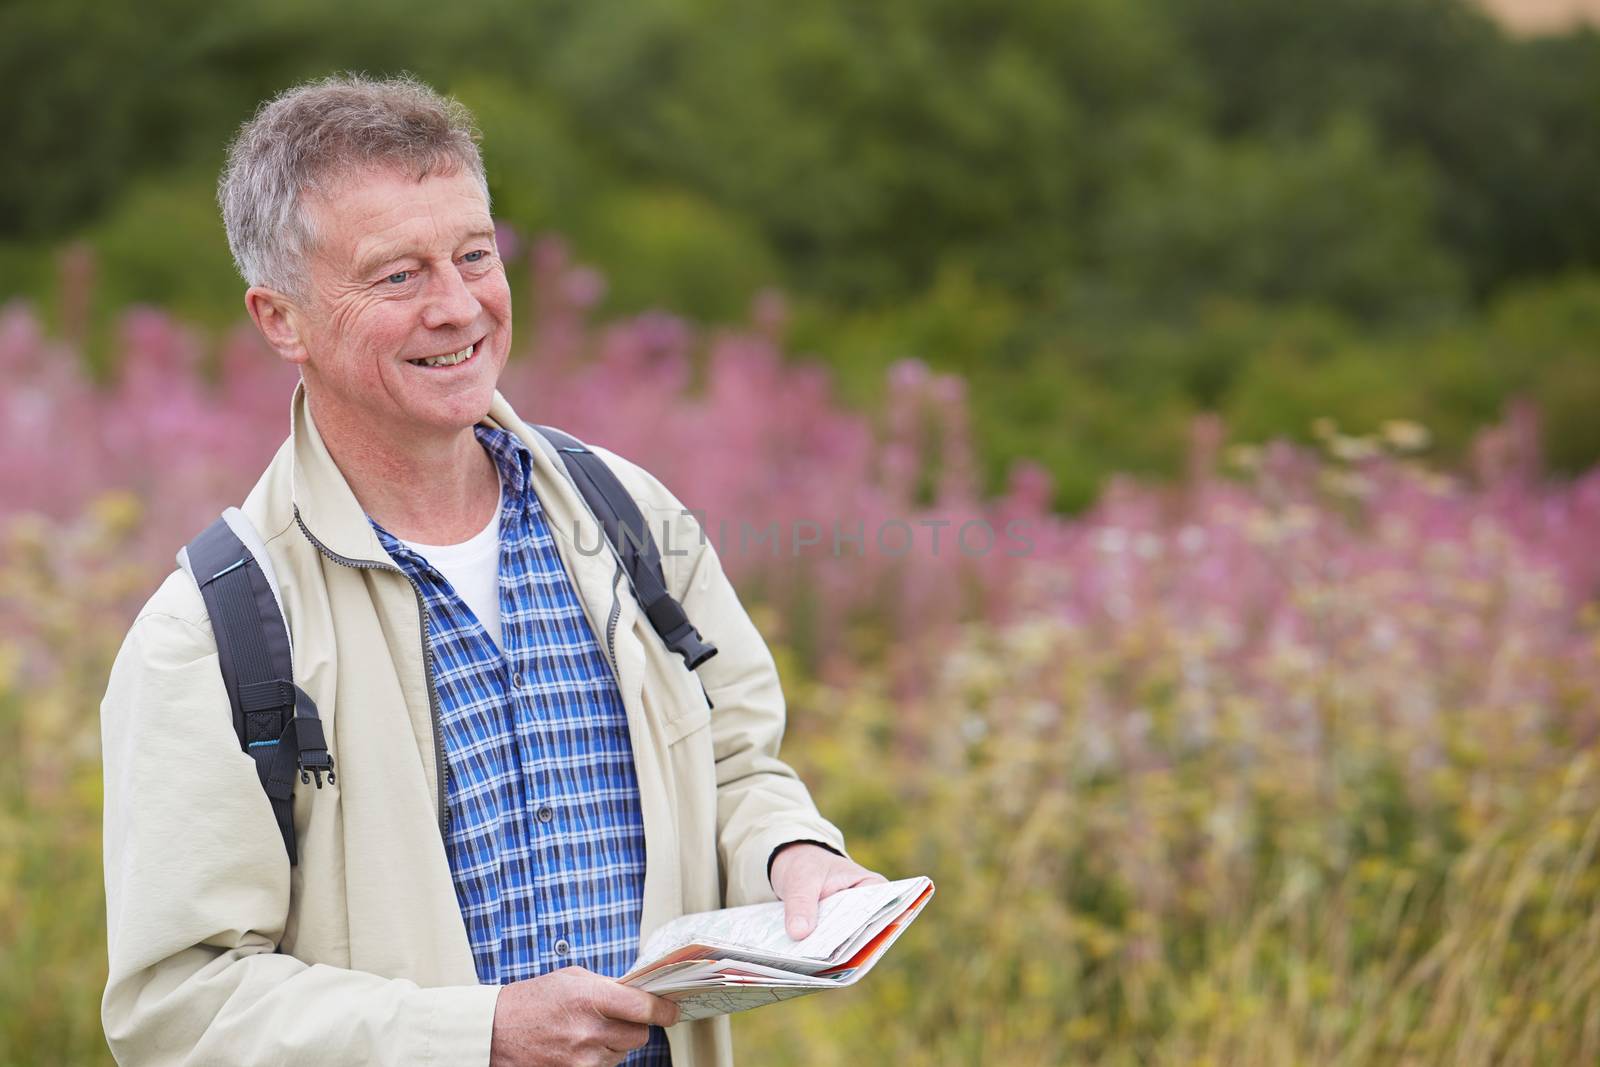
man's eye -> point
(399, 277)
(473, 257)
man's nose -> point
(448, 300)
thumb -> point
(800, 904)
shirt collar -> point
(512, 458)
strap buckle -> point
(311, 747)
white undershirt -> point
(473, 570)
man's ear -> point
(280, 320)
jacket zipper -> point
(611, 624)
(441, 766)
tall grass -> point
(1120, 885)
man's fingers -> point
(628, 1005)
(849, 878)
(663, 1012)
(800, 903)
(803, 874)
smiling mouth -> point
(449, 359)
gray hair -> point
(313, 134)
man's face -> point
(405, 270)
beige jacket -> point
(372, 963)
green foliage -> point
(1107, 214)
(870, 144)
(136, 265)
(1497, 120)
(1541, 342)
(1097, 389)
(1329, 218)
(681, 250)
(1537, 342)
(541, 171)
(867, 145)
(86, 88)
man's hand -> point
(573, 1016)
(803, 874)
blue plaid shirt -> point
(546, 839)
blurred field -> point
(1292, 761)
(1272, 330)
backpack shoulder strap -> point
(629, 535)
(276, 722)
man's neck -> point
(433, 491)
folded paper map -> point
(718, 962)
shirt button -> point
(563, 946)
(546, 813)
(516, 680)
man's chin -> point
(437, 424)
(406, 411)
(450, 398)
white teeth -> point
(445, 361)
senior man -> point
(527, 778)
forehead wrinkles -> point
(390, 216)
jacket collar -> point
(327, 509)
(323, 501)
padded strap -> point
(258, 671)
(625, 527)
